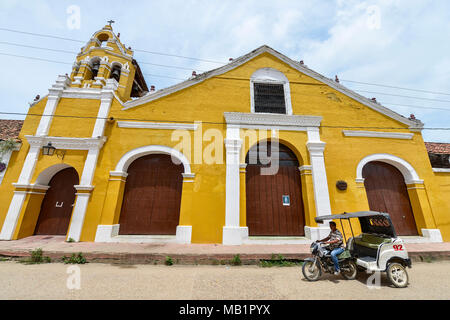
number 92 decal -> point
(398, 247)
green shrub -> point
(36, 258)
(74, 259)
(169, 261)
(236, 260)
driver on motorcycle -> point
(335, 241)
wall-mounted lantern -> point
(50, 150)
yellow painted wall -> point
(83, 111)
(207, 101)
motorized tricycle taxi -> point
(376, 249)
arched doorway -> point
(56, 208)
(274, 201)
(387, 192)
(152, 197)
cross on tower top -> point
(111, 22)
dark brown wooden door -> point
(387, 192)
(152, 198)
(57, 206)
(266, 213)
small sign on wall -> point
(286, 201)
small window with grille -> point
(269, 98)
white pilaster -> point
(54, 95)
(30, 164)
(89, 167)
(78, 214)
(107, 95)
(316, 151)
(82, 200)
(12, 217)
(232, 232)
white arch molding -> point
(110, 233)
(129, 157)
(407, 170)
(46, 175)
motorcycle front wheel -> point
(311, 271)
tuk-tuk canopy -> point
(349, 215)
(371, 221)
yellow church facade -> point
(104, 158)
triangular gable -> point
(413, 124)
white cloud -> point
(407, 47)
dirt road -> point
(102, 281)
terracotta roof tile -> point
(10, 129)
(438, 148)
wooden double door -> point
(57, 206)
(274, 201)
(152, 197)
(387, 192)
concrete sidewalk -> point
(132, 253)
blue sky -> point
(393, 42)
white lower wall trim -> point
(277, 240)
(184, 234)
(234, 236)
(110, 234)
(433, 234)
(316, 233)
(106, 233)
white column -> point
(89, 167)
(232, 232)
(54, 95)
(105, 106)
(82, 200)
(321, 194)
(79, 213)
(12, 217)
(29, 165)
